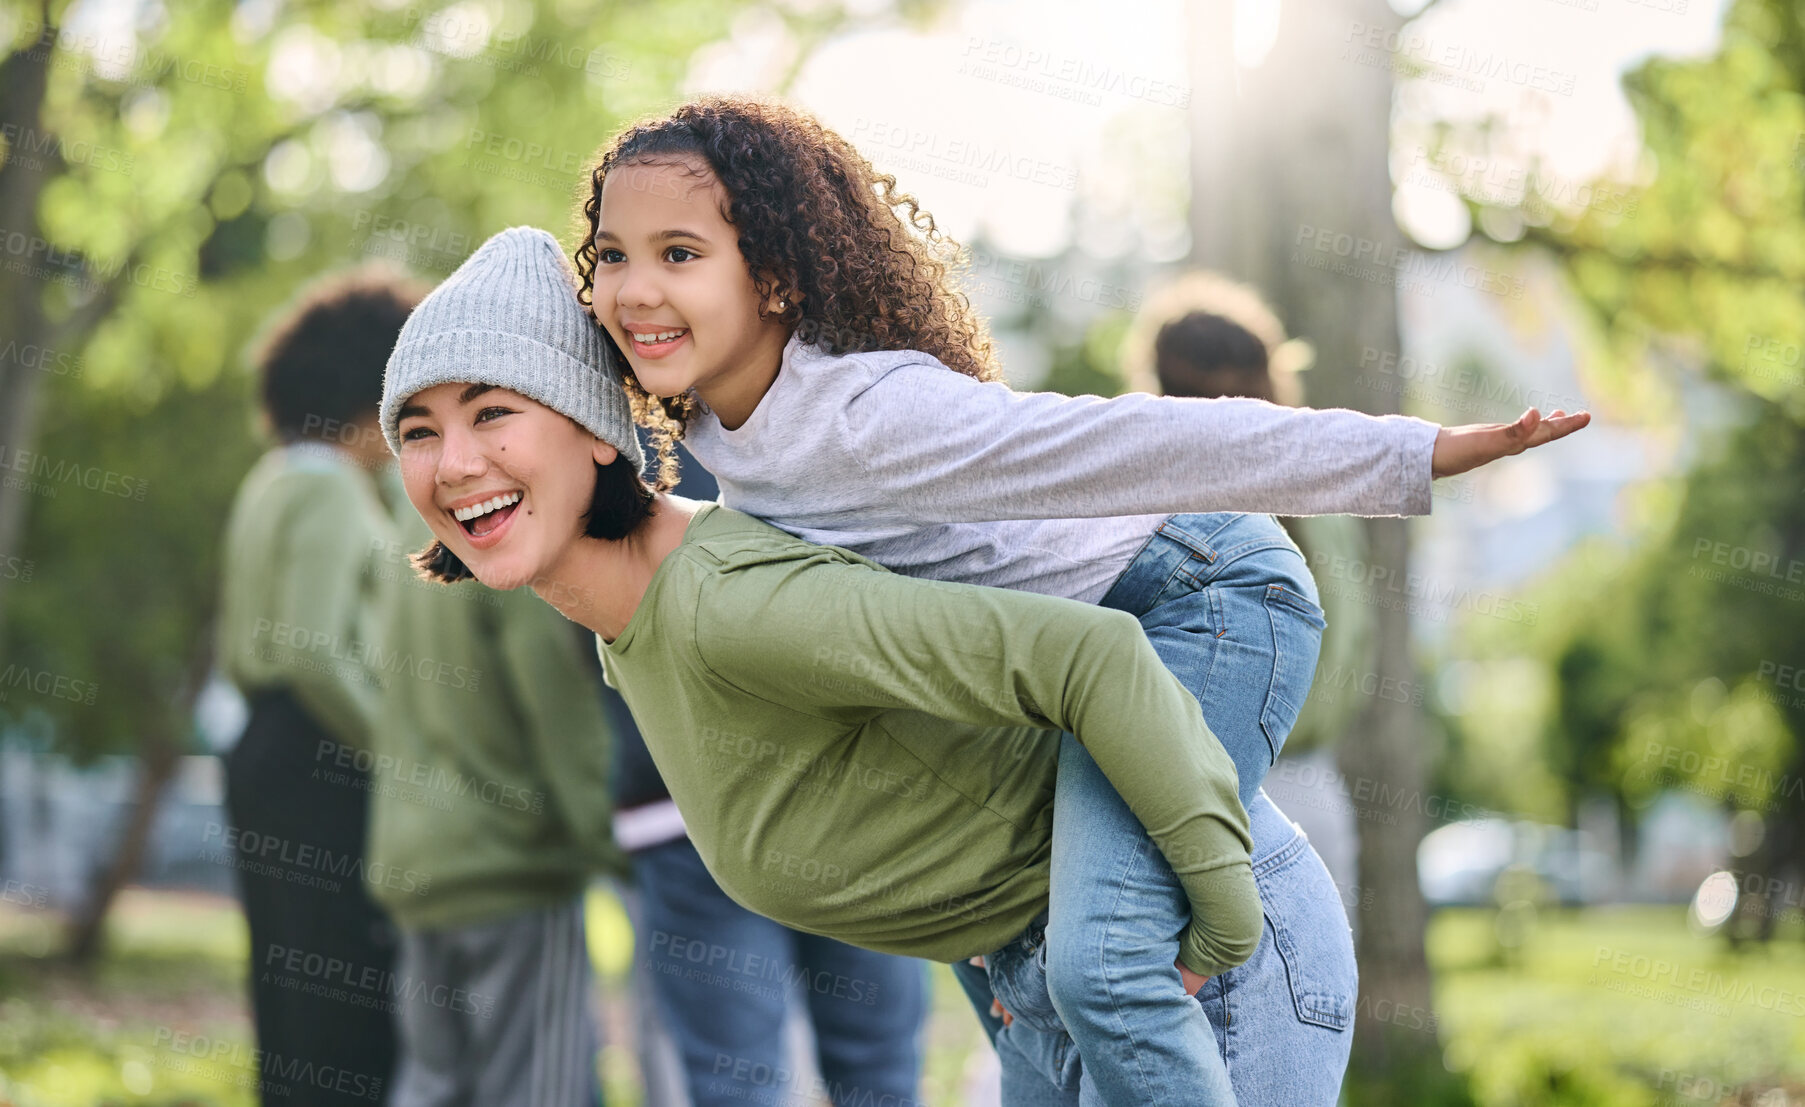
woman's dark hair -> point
(622, 502)
(1204, 354)
(862, 266)
(321, 363)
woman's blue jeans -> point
(1100, 1014)
(723, 979)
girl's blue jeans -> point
(1100, 1014)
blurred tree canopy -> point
(172, 184)
(165, 184)
(1673, 663)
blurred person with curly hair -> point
(1207, 336)
(300, 603)
(791, 316)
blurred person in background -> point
(298, 616)
(491, 816)
(866, 1009)
(1207, 336)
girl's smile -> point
(654, 341)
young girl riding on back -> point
(793, 317)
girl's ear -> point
(781, 298)
(603, 453)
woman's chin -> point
(501, 578)
(490, 571)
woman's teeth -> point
(661, 336)
(477, 511)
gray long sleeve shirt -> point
(934, 474)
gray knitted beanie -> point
(509, 317)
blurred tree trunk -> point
(25, 325)
(1297, 144)
(24, 75)
(158, 757)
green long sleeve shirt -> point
(489, 766)
(299, 600)
(871, 757)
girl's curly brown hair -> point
(862, 266)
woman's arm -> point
(824, 636)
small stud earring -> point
(783, 305)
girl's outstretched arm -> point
(940, 447)
(944, 448)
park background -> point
(1558, 773)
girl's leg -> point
(1112, 939)
(1280, 1024)
(1039, 1068)
(1229, 604)
(1285, 1018)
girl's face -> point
(673, 289)
(503, 481)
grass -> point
(175, 965)
(162, 1020)
(1622, 1007)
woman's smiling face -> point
(503, 481)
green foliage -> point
(1708, 258)
(1664, 660)
(200, 167)
(125, 555)
(255, 155)
(1092, 365)
(1669, 646)
(1567, 1023)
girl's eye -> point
(413, 434)
(671, 254)
(490, 414)
(610, 257)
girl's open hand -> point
(1458, 449)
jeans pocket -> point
(1310, 929)
(1297, 625)
(1018, 979)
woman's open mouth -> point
(485, 522)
